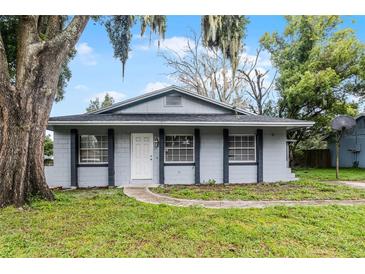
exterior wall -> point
(175, 175)
(274, 156)
(211, 158)
(211, 154)
(242, 174)
(93, 176)
(59, 174)
(189, 105)
(349, 142)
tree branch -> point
(68, 38)
(50, 26)
(27, 46)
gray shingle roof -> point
(219, 118)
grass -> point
(299, 190)
(106, 223)
(346, 174)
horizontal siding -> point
(242, 174)
(274, 156)
(347, 157)
(179, 175)
(93, 176)
(189, 105)
(211, 154)
(59, 175)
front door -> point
(142, 155)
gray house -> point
(352, 146)
(169, 136)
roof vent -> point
(173, 100)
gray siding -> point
(355, 140)
(242, 174)
(211, 156)
(189, 105)
(175, 175)
(59, 174)
(93, 176)
(274, 158)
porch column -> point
(111, 171)
(162, 156)
(197, 155)
(225, 156)
(259, 155)
(74, 157)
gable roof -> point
(164, 91)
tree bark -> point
(25, 108)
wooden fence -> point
(315, 158)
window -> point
(173, 100)
(93, 149)
(242, 148)
(179, 148)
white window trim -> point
(166, 105)
(79, 150)
(244, 161)
(179, 162)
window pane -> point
(242, 148)
(93, 149)
(179, 148)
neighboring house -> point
(352, 146)
(169, 136)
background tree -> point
(208, 73)
(96, 105)
(48, 146)
(43, 44)
(258, 85)
(320, 64)
(204, 71)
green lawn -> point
(299, 190)
(346, 174)
(106, 223)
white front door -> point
(142, 155)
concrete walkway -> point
(354, 184)
(145, 195)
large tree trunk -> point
(13, 155)
(21, 154)
(25, 108)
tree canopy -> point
(320, 65)
(95, 104)
(9, 26)
(48, 146)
